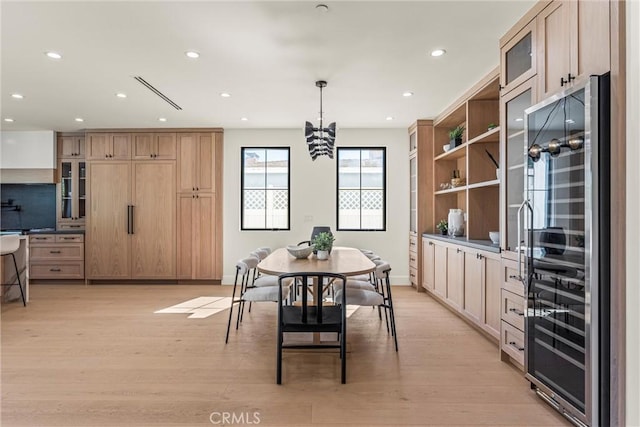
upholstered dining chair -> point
(250, 293)
(311, 316)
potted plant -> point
(491, 126)
(443, 226)
(455, 136)
(323, 243)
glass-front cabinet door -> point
(72, 194)
(513, 165)
(518, 59)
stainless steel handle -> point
(518, 235)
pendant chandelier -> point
(320, 140)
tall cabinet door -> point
(187, 155)
(206, 178)
(185, 226)
(108, 252)
(556, 54)
(205, 236)
(153, 240)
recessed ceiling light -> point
(79, 119)
(192, 54)
(518, 119)
(244, 119)
(438, 52)
(121, 95)
(389, 118)
(322, 8)
(53, 55)
(225, 95)
(162, 119)
(8, 120)
(407, 94)
(17, 96)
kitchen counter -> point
(44, 231)
(483, 245)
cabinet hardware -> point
(54, 252)
(133, 216)
(570, 77)
(516, 311)
(197, 196)
(193, 196)
(40, 238)
(193, 188)
(128, 219)
(430, 243)
(458, 250)
(197, 188)
(513, 344)
(151, 155)
(68, 238)
(54, 269)
(480, 256)
(563, 81)
(74, 226)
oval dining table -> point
(342, 260)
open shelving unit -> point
(479, 194)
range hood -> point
(27, 157)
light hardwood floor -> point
(99, 356)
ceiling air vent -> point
(157, 92)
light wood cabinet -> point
(108, 146)
(108, 229)
(71, 146)
(199, 189)
(428, 264)
(421, 185)
(56, 256)
(512, 313)
(131, 232)
(573, 43)
(198, 168)
(154, 146)
(467, 279)
(518, 57)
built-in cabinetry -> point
(477, 193)
(421, 193)
(131, 232)
(108, 146)
(154, 146)
(56, 256)
(465, 278)
(72, 182)
(512, 313)
(199, 193)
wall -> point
(633, 207)
(313, 196)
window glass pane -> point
(265, 188)
(361, 188)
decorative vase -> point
(456, 222)
(323, 255)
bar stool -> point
(8, 246)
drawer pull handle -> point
(430, 243)
(54, 252)
(516, 311)
(68, 238)
(514, 345)
(40, 238)
(412, 243)
(54, 269)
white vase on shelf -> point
(456, 222)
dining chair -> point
(250, 293)
(381, 299)
(311, 315)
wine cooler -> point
(566, 241)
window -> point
(265, 188)
(362, 188)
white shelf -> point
(492, 183)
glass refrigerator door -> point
(555, 179)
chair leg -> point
(226, 339)
(279, 357)
(15, 264)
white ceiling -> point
(266, 54)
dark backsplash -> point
(27, 206)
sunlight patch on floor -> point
(203, 307)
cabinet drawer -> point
(71, 270)
(512, 309)
(413, 260)
(41, 238)
(512, 342)
(510, 280)
(413, 243)
(69, 238)
(71, 226)
(413, 276)
(71, 251)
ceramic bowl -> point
(495, 237)
(300, 252)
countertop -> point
(484, 245)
